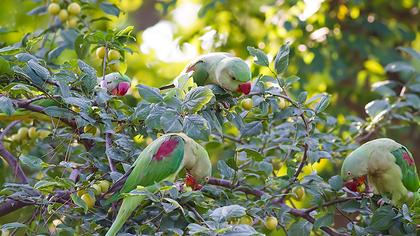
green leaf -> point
(336, 182)
(109, 8)
(78, 201)
(197, 98)
(80, 102)
(153, 119)
(171, 121)
(13, 225)
(413, 100)
(398, 67)
(251, 129)
(225, 170)
(260, 57)
(38, 10)
(227, 212)
(4, 66)
(255, 155)
(55, 111)
(382, 218)
(87, 69)
(300, 227)
(326, 220)
(6, 105)
(149, 94)
(39, 70)
(322, 104)
(375, 107)
(411, 52)
(302, 97)
(281, 61)
(31, 161)
(196, 127)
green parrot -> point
(115, 83)
(162, 160)
(222, 69)
(387, 166)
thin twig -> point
(12, 160)
(108, 146)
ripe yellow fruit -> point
(299, 193)
(90, 129)
(54, 9)
(115, 67)
(88, 199)
(32, 133)
(271, 223)
(73, 8)
(104, 184)
(43, 133)
(15, 138)
(72, 22)
(113, 55)
(5, 232)
(81, 192)
(282, 103)
(63, 15)
(75, 109)
(100, 52)
(247, 104)
(97, 188)
(246, 220)
(23, 132)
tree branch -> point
(296, 212)
(108, 144)
(11, 160)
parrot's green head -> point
(234, 75)
(354, 172)
(120, 84)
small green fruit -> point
(271, 223)
(53, 9)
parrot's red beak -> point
(244, 88)
(191, 182)
(356, 184)
(121, 89)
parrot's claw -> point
(382, 202)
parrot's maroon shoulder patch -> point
(408, 159)
(165, 149)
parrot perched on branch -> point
(162, 160)
(386, 165)
(115, 83)
(222, 69)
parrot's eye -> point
(233, 78)
(207, 179)
(348, 173)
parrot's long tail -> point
(129, 204)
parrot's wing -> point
(405, 161)
(160, 160)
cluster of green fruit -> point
(247, 104)
(113, 58)
(68, 15)
(88, 195)
(32, 133)
(270, 222)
